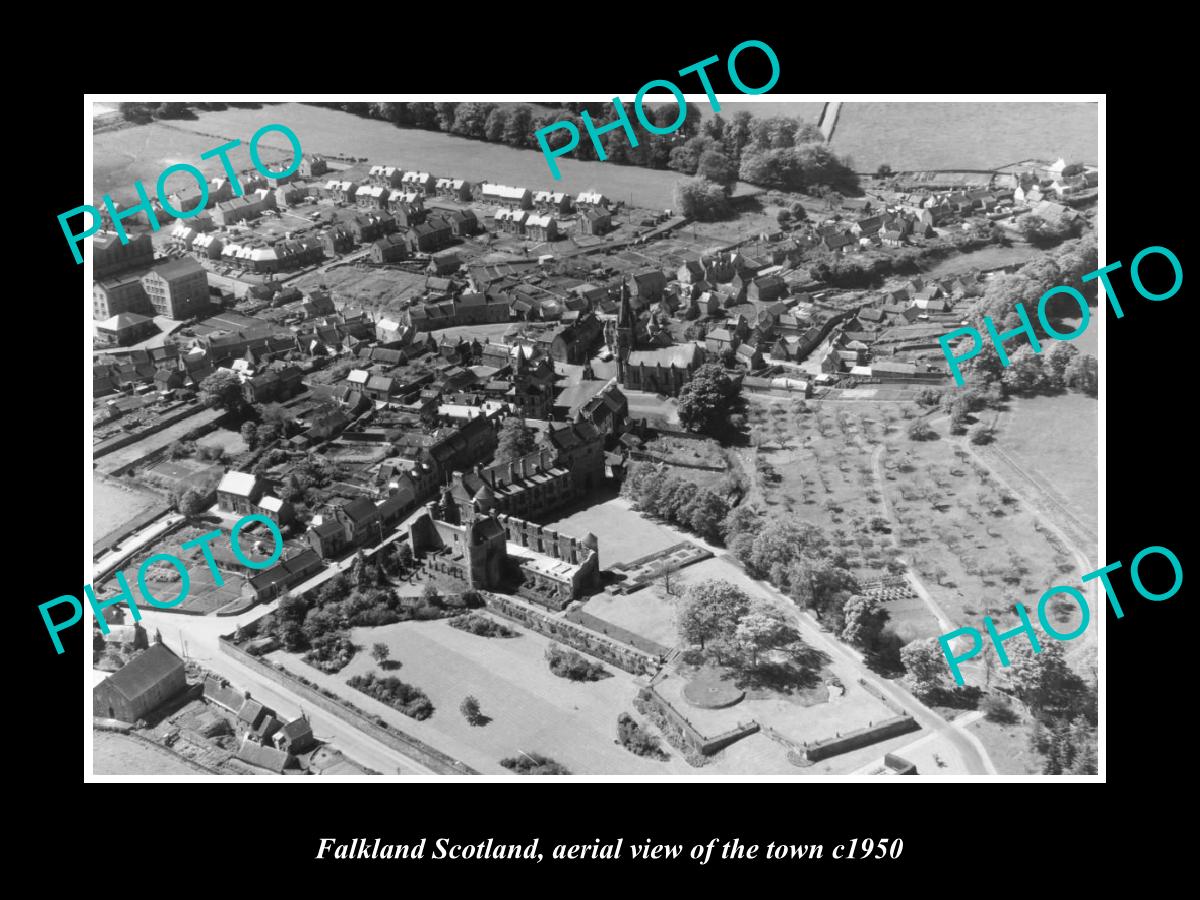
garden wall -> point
(577, 636)
(697, 741)
(391, 737)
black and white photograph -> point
(730, 451)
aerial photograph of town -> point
(658, 468)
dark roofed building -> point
(149, 679)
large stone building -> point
(177, 289)
(111, 257)
(149, 679)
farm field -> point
(119, 754)
(336, 133)
(987, 258)
(113, 506)
(964, 135)
(1056, 438)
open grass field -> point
(1008, 746)
(993, 257)
(647, 612)
(126, 155)
(113, 506)
(1056, 438)
(624, 535)
(530, 709)
(964, 135)
(119, 754)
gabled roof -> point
(240, 483)
(145, 671)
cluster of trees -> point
(1051, 371)
(191, 502)
(1059, 367)
(515, 440)
(1062, 704)
(568, 664)
(397, 694)
(681, 502)
(534, 764)
(701, 199)
(141, 113)
(736, 629)
(1043, 234)
(515, 125)
(706, 401)
(794, 556)
(359, 598)
(223, 390)
(636, 739)
(482, 626)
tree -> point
(699, 198)
(704, 401)
(718, 168)
(1083, 374)
(919, 430)
(1058, 359)
(981, 435)
(764, 628)
(404, 555)
(519, 127)
(221, 389)
(292, 609)
(430, 596)
(1043, 681)
(275, 414)
(783, 217)
(250, 434)
(173, 111)
(925, 665)
(865, 618)
(710, 613)
(497, 121)
(515, 440)
(190, 503)
(380, 653)
(1024, 374)
(884, 172)
(470, 709)
(137, 113)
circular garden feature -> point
(712, 688)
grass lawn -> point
(986, 258)
(646, 612)
(963, 135)
(530, 709)
(1008, 746)
(229, 441)
(1056, 438)
(624, 535)
(114, 505)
